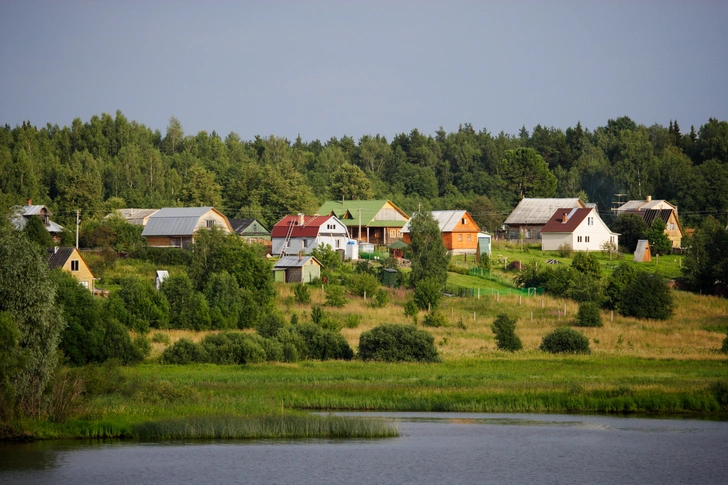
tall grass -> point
(268, 427)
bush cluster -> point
(565, 340)
(395, 343)
(290, 344)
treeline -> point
(110, 162)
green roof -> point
(348, 212)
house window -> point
(331, 227)
(463, 221)
(392, 233)
(586, 238)
(578, 238)
(338, 244)
(470, 237)
(74, 265)
(590, 221)
(210, 224)
(84, 284)
(399, 233)
(460, 237)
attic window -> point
(463, 221)
(210, 223)
(74, 265)
(590, 221)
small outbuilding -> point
(643, 254)
(484, 245)
(389, 277)
(297, 269)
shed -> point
(389, 277)
(297, 269)
(484, 241)
(159, 277)
(643, 254)
(396, 249)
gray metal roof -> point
(446, 220)
(539, 211)
(174, 221)
(293, 261)
(134, 216)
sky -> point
(323, 69)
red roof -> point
(573, 216)
(310, 228)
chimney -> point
(300, 219)
(565, 218)
(648, 198)
(300, 255)
(30, 201)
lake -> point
(434, 448)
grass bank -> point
(271, 400)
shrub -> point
(565, 340)
(118, 345)
(321, 344)
(352, 320)
(302, 293)
(394, 343)
(273, 350)
(270, 325)
(646, 296)
(380, 298)
(160, 338)
(724, 349)
(586, 263)
(434, 319)
(504, 329)
(335, 296)
(184, 351)
(565, 250)
(359, 284)
(143, 344)
(428, 293)
(589, 315)
(720, 392)
(411, 309)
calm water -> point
(433, 448)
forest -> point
(110, 162)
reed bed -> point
(267, 427)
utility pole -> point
(78, 219)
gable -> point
(539, 211)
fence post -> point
(428, 308)
(541, 302)
(365, 296)
(452, 311)
(611, 316)
(564, 309)
(531, 315)
(473, 316)
(478, 293)
(520, 299)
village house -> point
(651, 210)
(530, 215)
(176, 226)
(70, 260)
(297, 269)
(301, 233)
(459, 231)
(22, 213)
(580, 228)
(374, 221)
(251, 230)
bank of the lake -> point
(127, 399)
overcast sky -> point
(334, 68)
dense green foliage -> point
(31, 324)
(428, 293)
(589, 315)
(565, 340)
(504, 329)
(631, 228)
(706, 261)
(724, 348)
(427, 252)
(395, 343)
(659, 242)
(646, 296)
(110, 162)
(586, 263)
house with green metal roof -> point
(372, 221)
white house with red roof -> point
(302, 234)
(580, 228)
